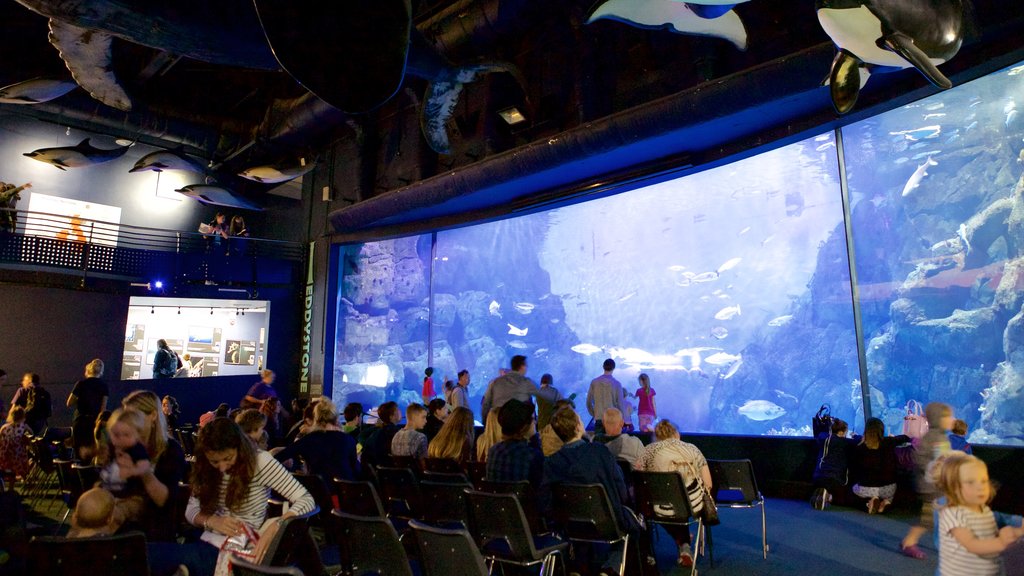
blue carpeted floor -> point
(836, 542)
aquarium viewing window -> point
(731, 288)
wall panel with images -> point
(211, 337)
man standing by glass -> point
(512, 384)
(605, 392)
(546, 401)
(460, 394)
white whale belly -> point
(855, 30)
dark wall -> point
(55, 332)
(194, 395)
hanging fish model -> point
(82, 154)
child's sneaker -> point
(685, 556)
(913, 552)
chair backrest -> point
(293, 544)
(358, 498)
(318, 489)
(477, 472)
(445, 552)
(88, 476)
(500, 517)
(585, 513)
(370, 546)
(524, 493)
(70, 483)
(399, 486)
(446, 477)
(122, 555)
(240, 567)
(444, 502)
(187, 439)
(42, 454)
(409, 462)
(446, 465)
(662, 497)
(733, 482)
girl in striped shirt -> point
(969, 542)
(231, 480)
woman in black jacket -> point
(875, 466)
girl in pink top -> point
(428, 385)
(648, 409)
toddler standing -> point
(933, 444)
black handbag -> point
(822, 421)
(709, 514)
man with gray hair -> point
(622, 446)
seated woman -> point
(231, 481)
(377, 441)
(670, 454)
(14, 443)
(491, 435)
(831, 472)
(327, 451)
(158, 486)
(874, 466)
(455, 439)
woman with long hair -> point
(875, 466)
(172, 411)
(455, 439)
(231, 481)
(490, 437)
(328, 452)
(160, 485)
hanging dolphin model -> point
(212, 195)
(708, 18)
(275, 173)
(885, 35)
(35, 91)
(166, 160)
(82, 154)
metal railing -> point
(37, 238)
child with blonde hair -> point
(93, 515)
(127, 456)
(969, 540)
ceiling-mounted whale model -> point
(708, 18)
(352, 55)
(167, 160)
(213, 195)
(82, 154)
(885, 35)
(35, 91)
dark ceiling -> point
(574, 76)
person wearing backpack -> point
(165, 361)
(36, 402)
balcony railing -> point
(122, 250)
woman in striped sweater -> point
(231, 480)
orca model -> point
(708, 18)
(884, 35)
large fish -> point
(35, 91)
(166, 160)
(275, 173)
(733, 369)
(723, 358)
(761, 410)
(918, 175)
(729, 264)
(82, 154)
(694, 18)
(780, 321)
(217, 196)
(919, 133)
(888, 34)
(516, 331)
(586, 349)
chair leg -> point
(698, 545)
(764, 532)
(62, 521)
(625, 554)
(710, 545)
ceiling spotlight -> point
(236, 311)
(158, 284)
(68, 131)
(152, 310)
(512, 115)
(179, 309)
(243, 312)
(211, 311)
(123, 142)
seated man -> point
(622, 446)
(513, 459)
(580, 462)
(409, 441)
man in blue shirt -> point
(260, 391)
(513, 459)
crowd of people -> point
(531, 434)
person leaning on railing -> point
(9, 197)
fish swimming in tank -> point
(523, 307)
(729, 264)
(918, 175)
(515, 331)
(494, 308)
(518, 344)
(586, 349)
(780, 321)
(719, 332)
(723, 358)
(761, 410)
(728, 313)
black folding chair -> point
(584, 514)
(70, 487)
(358, 498)
(400, 490)
(321, 493)
(240, 567)
(498, 523)
(527, 499)
(477, 472)
(444, 502)
(87, 475)
(661, 498)
(121, 555)
(735, 486)
(444, 552)
(370, 546)
(409, 462)
(443, 465)
(294, 545)
(446, 477)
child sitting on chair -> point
(93, 515)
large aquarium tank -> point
(731, 288)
